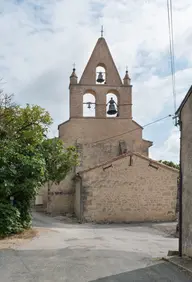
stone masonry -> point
(124, 191)
(129, 188)
(185, 119)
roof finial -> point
(73, 77)
(126, 78)
(102, 31)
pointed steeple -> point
(73, 77)
(126, 79)
(101, 56)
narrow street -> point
(73, 252)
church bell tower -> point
(110, 131)
(101, 78)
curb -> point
(177, 264)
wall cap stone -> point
(85, 118)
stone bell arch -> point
(111, 116)
(101, 83)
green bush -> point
(23, 207)
(10, 221)
(28, 159)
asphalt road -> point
(82, 253)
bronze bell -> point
(112, 108)
(100, 77)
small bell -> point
(100, 77)
(112, 109)
(89, 105)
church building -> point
(115, 180)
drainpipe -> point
(180, 193)
(81, 199)
(81, 196)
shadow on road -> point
(162, 272)
(85, 265)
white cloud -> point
(40, 42)
(153, 95)
(170, 148)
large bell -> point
(100, 77)
(112, 108)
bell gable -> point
(101, 57)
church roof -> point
(184, 101)
(158, 164)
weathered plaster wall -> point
(186, 164)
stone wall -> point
(61, 197)
(86, 131)
(83, 132)
(43, 192)
(101, 54)
(129, 189)
(186, 165)
(93, 154)
(89, 129)
(123, 94)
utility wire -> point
(171, 49)
(173, 55)
(117, 135)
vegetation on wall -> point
(28, 159)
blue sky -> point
(40, 41)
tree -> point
(28, 159)
(59, 161)
(170, 163)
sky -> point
(42, 39)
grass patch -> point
(11, 241)
(26, 234)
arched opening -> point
(112, 105)
(89, 104)
(101, 74)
